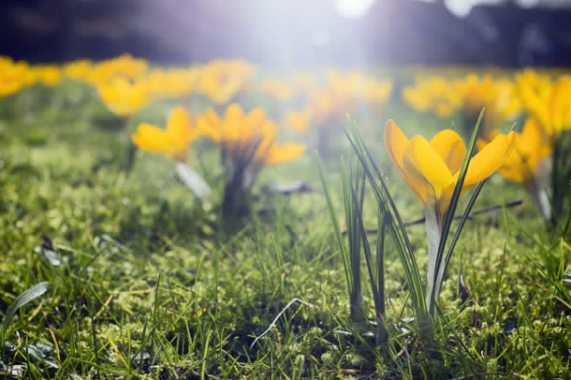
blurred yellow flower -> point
(549, 104)
(431, 169)
(49, 75)
(248, 138)
(14, 76)
(124, 66)
(174, 141)
(175, 83)
(298, 121)
(78, 70)
(433, 94)
(525, 161)
(498, 96)
(345, 93)
(123, 97)
(278, 90)
(443, 96)
(222, 80)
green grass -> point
(149, 287)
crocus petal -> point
(234, 112)
(256, 117)
(422, 162)
(278, 154)
(488, 160)
(209, 125)
(151, 138)
(179, 123)
(396, 143)
(560, 106)
(450, 146)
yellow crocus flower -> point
(174, 141)
(549, 104)
(431, 168)
(524, 163)
(14, 76)
(123, 97)
(248, 137)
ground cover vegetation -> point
(225, 221)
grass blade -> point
(24, 298)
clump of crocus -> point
(433, 94)
(497, 95)
(174, 142)
(468, 95)
(433, 169)
(344, 94)
(248, 143)
(548, 106)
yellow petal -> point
(423, 163)
(396, 143)
(210, 125)
(560, 106)
(278, 154)
(179, 126)
(450, 146)
(488, 160)
(234, 112)
(151, 138)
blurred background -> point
(300, 33)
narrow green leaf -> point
(335, 222)
(24, 298)
(449, 217)
(394, 222)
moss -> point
(148, 287)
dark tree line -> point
(284, 33)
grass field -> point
(144, 282)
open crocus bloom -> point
(172, 142)
(432, 169)
(248, 137)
